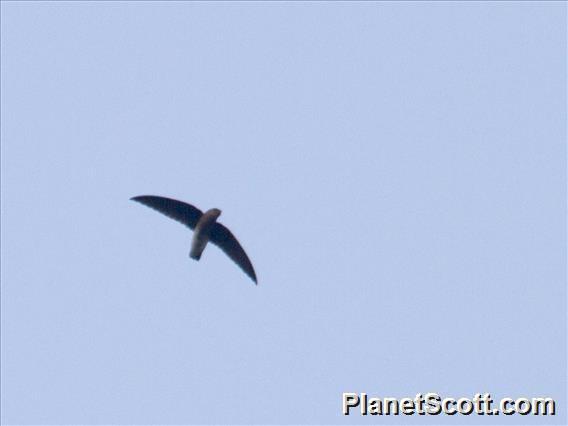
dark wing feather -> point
(177, 210)
(226, 241)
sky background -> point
(395, 171)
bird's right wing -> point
(226, 241)
(177, 210)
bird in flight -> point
(205, 228)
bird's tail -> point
(195, 256)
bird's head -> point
(215, 212)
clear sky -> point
(396, 172)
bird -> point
(205, 229)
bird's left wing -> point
(174, 209)
(226, 241)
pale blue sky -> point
(396, 172)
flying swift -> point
(205, 229)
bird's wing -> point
(226, 241)
(177, 210)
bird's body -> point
(205, 227)
(202, 232)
